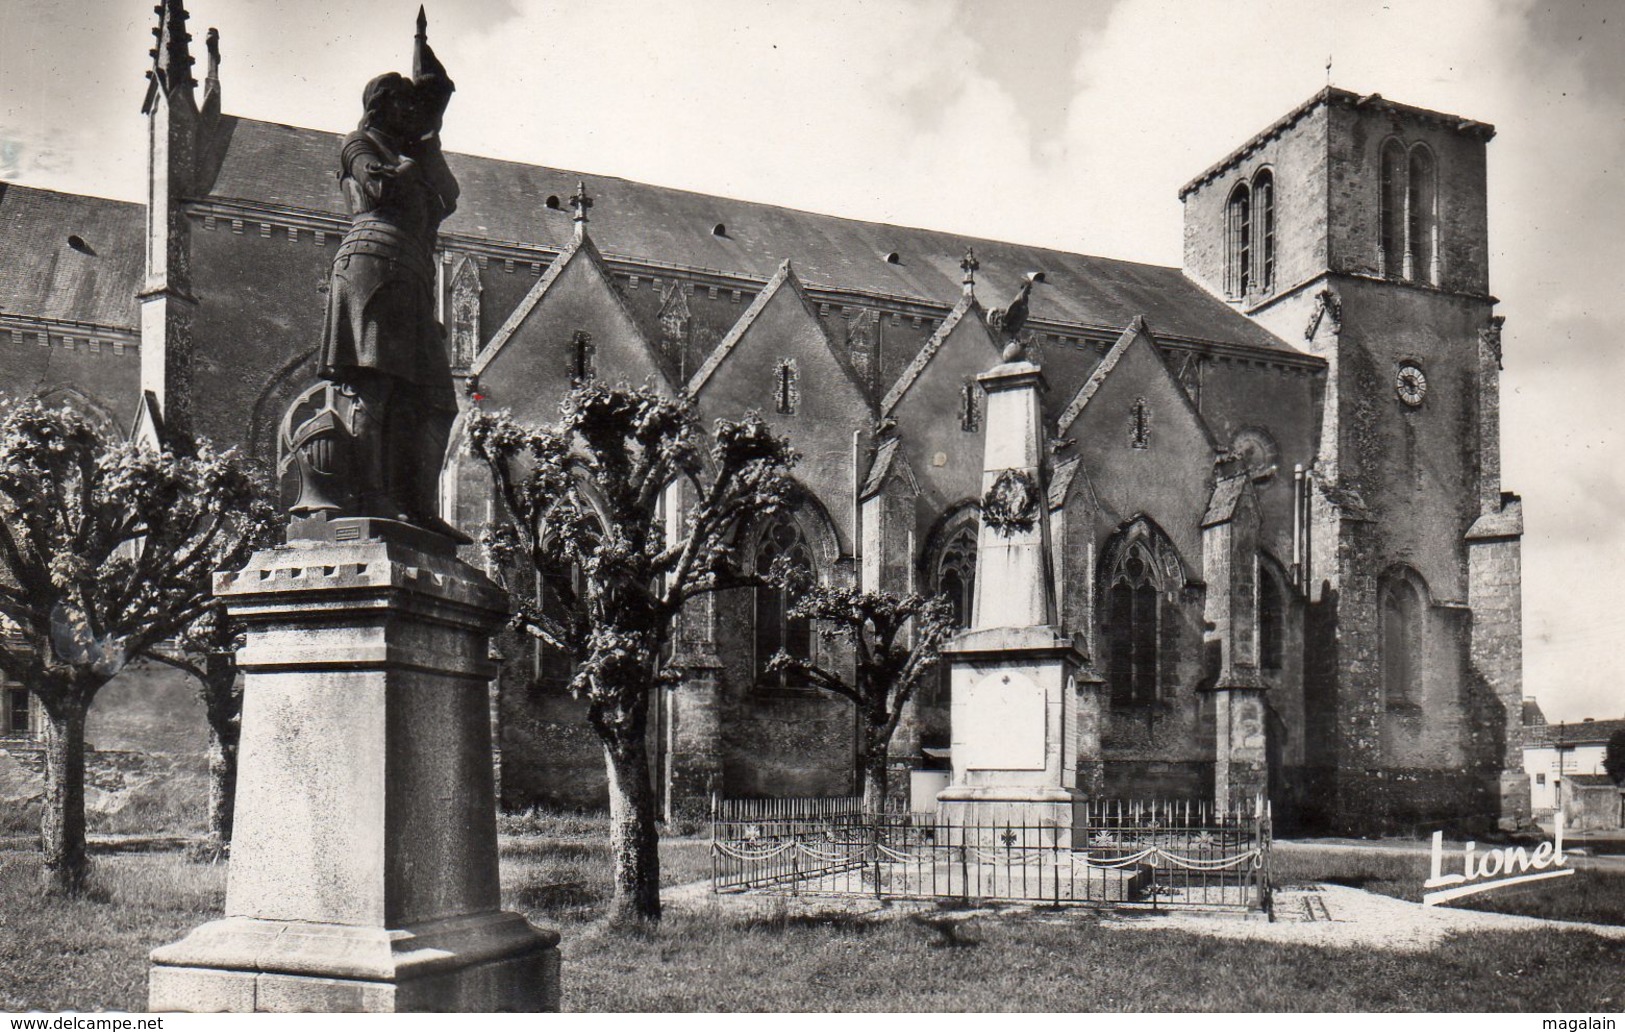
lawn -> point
(92, 954)
(1596, 892)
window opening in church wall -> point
(583, 358)
(775, 628)
(786, 391)
(1139, 425)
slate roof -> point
(506, 201)
(1588, 732)
(43, 276)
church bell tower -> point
(1356, 229)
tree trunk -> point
(634, 843)
(62, 813)
(875, 754)
(222, 783)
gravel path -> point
(1320, 915)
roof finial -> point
(212, 43)
(171, 57)
(969, 265)
(580, 202)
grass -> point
(1594, 893)
(91, 954)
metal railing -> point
(1159, 855)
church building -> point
(1273, 470)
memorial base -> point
(486, 962)
(988, 817)
(364, 873)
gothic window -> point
(1139, 425)
(1392, 203)
(1420, 206)
(583, 358)
(465, 313)
(17, 715)
(956, 572)
(1239, 241)
(776, 629)
(1264, 215)
(1402, 612)
(1140, 572)
(786, 392)
(556, 590)
(675, 319)
(1409, 213)
(1271, 620)
(970, 405)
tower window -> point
(1408, 247)
(1239, 241)
(1264, 203)
(1402, 613)
(1421, 210)
(786, 392)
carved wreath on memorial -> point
(1011, 504)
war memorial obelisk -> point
(364, 865)
(1016, 715)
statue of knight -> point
(370, 441)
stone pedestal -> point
(364, 864)
(1015, 733)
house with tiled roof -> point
(1557, 754)
(1301, 420)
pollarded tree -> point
(586, 494)
(896, 643)
(107, 550)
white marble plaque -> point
(999, 724)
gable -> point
(779, 338)
(530, 362)
(1143, 445)
(928, 401)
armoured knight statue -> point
(371, 440)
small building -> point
(1554, 753)
(1592, 802)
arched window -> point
(1264, 217)
(1408, 213)
(1401, 601)
(1139, 569)
(465, 313)
(557, 590)
(775, 628)
(1391, 249)
(1420, 204)
(1271, 620)
(1239, 241)
(956, 572)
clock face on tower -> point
(1411, 384)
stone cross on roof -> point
(969, 265)
(580, 202)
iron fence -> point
(1119, 853)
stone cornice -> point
(25, 329)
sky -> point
(1064, 124)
